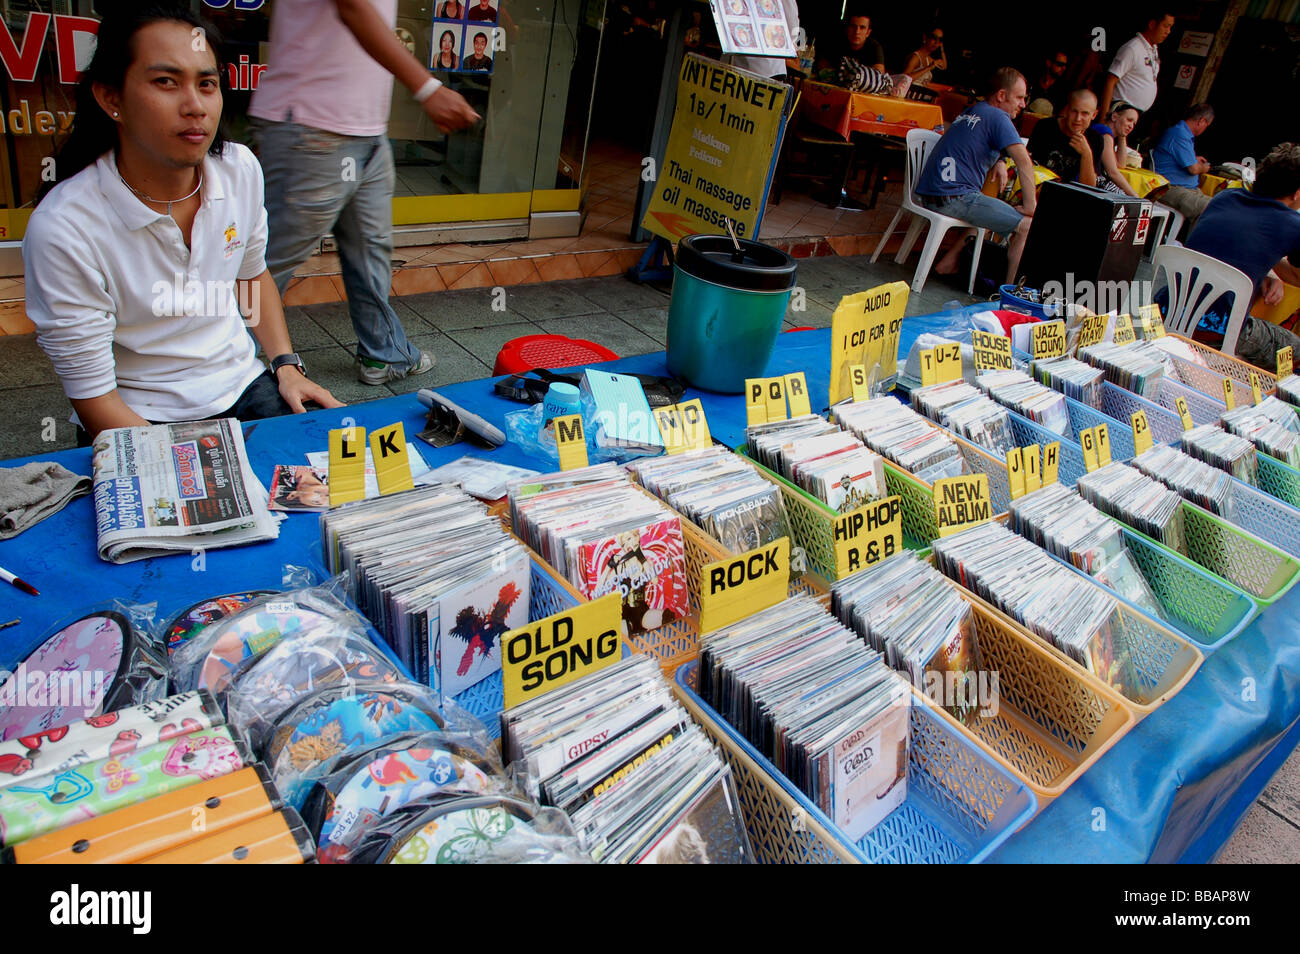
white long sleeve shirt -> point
(119, 301)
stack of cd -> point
(826, 709)
(438, 576)
(1204, 485)
(606, 536)
(1074, 378)
(1272, 425)
(822, 458)
(906, 609)
(723, 493)
(966, 410)
(1228, 452)
(1144, 504)
(1139, 368)
(905, 437)
(1288, 389)
(1020, 392)
(1065, 609)
(640, 782)
(1061, 522)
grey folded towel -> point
(32, 492)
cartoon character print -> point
(99, 721)
(119, 774)
(171, 729)
(310, 749)
(11, 764)
(207, 756)
(390, 770)
(63, 789)
(33, 742)
(125, 743)
(482, 630)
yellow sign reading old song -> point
(560, 648)
(719, 151)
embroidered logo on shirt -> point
(969, 119)
(232, 240)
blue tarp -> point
(1173, 789)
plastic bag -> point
(524, 429)
(336, 652)
(472, 830)
(104, 658)
(310, 737)
(366, 786)
(209, 659)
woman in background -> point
(446, 59)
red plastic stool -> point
(548, 351)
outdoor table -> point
(843, 111)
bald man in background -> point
(1067, 145)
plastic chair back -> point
(1195, 282)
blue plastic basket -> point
(961, 805)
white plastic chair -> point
(1176, 220)
(1195, 283)
(920, 143)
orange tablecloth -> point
(842, 111)
(950, 102)
(1276, 314)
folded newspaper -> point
(172, 487)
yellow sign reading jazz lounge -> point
(719, 151)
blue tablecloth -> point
(1173, 789)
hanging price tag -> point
(940, 365)
(1229, 394)
(865, 536)
(1016, 472)
(1033, 469)
(1088, 440)
(1103, 444)
(796, 390)
(1123, 333)
(1051, 462)
(961, 502)
(858, 383)
(992, 352)
(1142, 439)
(1153, 325)
(1254, 387)
(1284, 365)
(1184, 414)
(735, 587)
(1092, 331)
(1048, 339)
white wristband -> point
(430, 87)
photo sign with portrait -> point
(753, 27)
(725, 132)
(465, 36)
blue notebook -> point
(622, 413)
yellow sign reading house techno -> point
(720, 149)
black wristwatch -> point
(291, 358)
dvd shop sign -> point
(74, 44)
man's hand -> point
(296, 387)
(449, 111)
(1271, 289)
(1079, 143)
(1000, 176)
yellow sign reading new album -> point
(719, 151)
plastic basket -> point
(814, 522)
(961, 804)
(1264, 571)
(547, 594)
(1208, 377)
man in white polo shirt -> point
(1132, 76)
(137, 261)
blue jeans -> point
(319, 182)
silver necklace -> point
(170, 202)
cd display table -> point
(1172, 790)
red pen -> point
(21, 584)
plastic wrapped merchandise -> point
(367, 786)
(472, 830)
(211, 658)
(102, 660)
(335, 653)
(310, 738)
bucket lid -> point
(712, 258)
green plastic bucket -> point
(726, 310)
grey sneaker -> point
(368, 373)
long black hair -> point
(93, 132)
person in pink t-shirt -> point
(321, 118)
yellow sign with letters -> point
(736, 587)
(562, 647)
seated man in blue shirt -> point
(1175, 158)
(953, 178)
(1257, 233)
